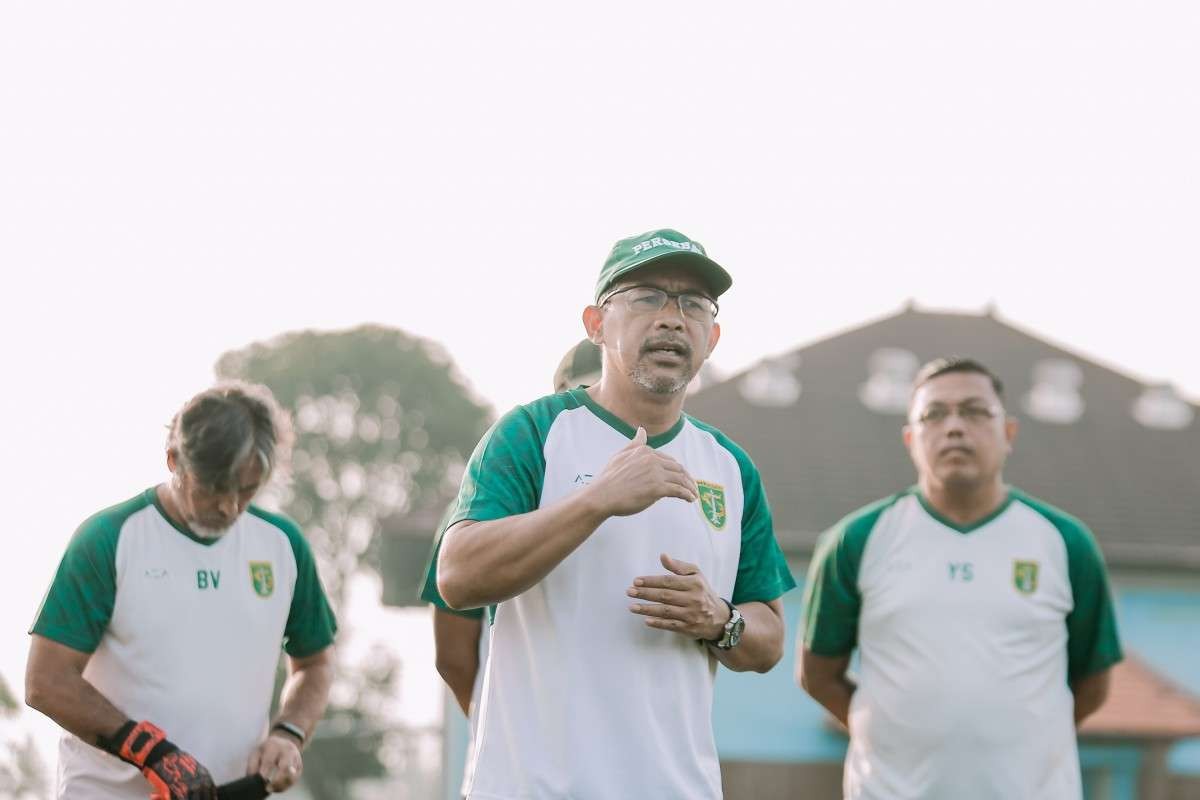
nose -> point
(671, 317)
(228, 505)
(954, 425)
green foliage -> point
(22, 774)
(384, 424)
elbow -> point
(37, 693)
(770, 659)
(450, 669)
(450, 588)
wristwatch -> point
(733, 629)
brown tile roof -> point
(826, 454)
(1143, 704)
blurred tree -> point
(22, 774)
(384, 424)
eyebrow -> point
(962, 402)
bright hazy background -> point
(181, 179)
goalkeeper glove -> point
(172, 773)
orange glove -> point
(172, 773)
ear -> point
(1011, 426)
(172, 460)
(713, 337)
(906, 433)
(593, 323)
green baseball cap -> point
(638, 251)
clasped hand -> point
(681, 602)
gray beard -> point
(658, 384)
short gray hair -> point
(215, 431)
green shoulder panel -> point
(506, 472)
(79, 603)
(763, 573)
(832, 600)
(311, 626)
(1092, 641)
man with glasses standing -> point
(982, 617)
(628, 547)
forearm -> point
(761, 646)
(834, 694)
(75, 705)
(826, 680)
(482, 563)
(456, 644)
(460, 679)
(306, 693)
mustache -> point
(667, 342)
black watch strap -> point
(294, 730)
(724, 629)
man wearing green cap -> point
(628, 548)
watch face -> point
(735, 634)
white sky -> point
(177, 180)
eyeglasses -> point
(970, 413)
(651, 299)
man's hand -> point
(681, 602)
(172, 773)
(278, 760)
(638, 476)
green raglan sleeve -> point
(310, 626)
(429, 590)
(1092, 641)
(505, 474)
(79, 603)
(763, 574)
(832, 600)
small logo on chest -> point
(262, 577)
(712, 503)
(1025, 576)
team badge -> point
(712, 503)
(262, 577)
(1025, 575)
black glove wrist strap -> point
(142, 734)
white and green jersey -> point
(183, 632)
(968, 637)
(580, 698)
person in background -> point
(982, 616)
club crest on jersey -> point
(262, 577)
(1025, 576)
(712, 503)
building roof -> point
(822, 423)
(1142, 704)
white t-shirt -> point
(968, 637)
(183, 632)
(580, 698)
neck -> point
(964, 505)
(637, 407)
(166, 497)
